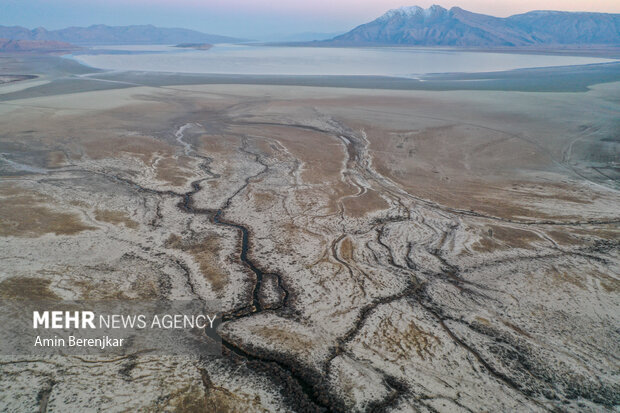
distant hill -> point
(114, 35)
(437, 26)
(569, 28)
(17, 46)
(197, 46)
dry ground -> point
(419, 251)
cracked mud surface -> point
(373, 250)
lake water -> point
(268, 60)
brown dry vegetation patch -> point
(141, 147)
(402, 342)
(270, 149)
(186, 399)
(174, 170)
(516, 328)
(483, 320)
(190, 399)
(368, 202)
(498, 237)
(563, 238)
(115, 217)
(100, 133)
(568, 275)
(25, 213)
(321, 154)
(286, 338)
(221, 400)
(561, 278)
(472, 168)
(219, 144)
(29, 288)
(320, 198)
(206, 252)
(554, 191)
(346, 249)
(263, 200)
(98, 290)
(288, 235)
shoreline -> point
(602, 50)
(72, 76)
(388, 61)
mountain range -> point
(114, 35)
(437, 26)
(45, 46)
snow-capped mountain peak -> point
(437, 26)
(412, 11)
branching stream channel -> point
(289, 377)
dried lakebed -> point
(373, 250)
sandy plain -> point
(374, 249)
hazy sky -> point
(253, 18)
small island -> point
(197, 46)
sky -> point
(254, 19)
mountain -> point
(437, 26)
(110, 35)
(12, 46)
(570, 28)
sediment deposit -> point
(372, 250)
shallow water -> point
(267, 60)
